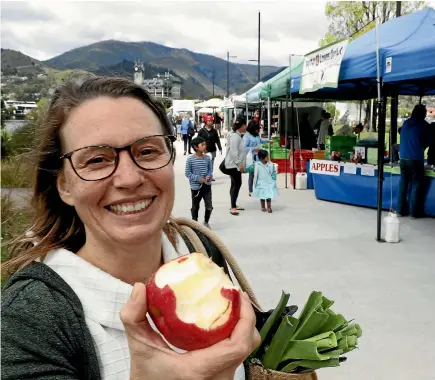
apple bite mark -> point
(193, 302)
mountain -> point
(16, 63)
(195, 67)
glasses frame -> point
(67, 156)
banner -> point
(322, 67)
(324, 167)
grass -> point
(13, 223)
(17, 172)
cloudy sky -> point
(44, 29)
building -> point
(166, 86)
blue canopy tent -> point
(409, 41)
(407, 67)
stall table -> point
(361, 190)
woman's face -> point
(117, 123)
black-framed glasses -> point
(96, 162)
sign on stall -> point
(322, 67)
(349, 168)
(368, 170)
(325, 167)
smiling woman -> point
(103, 199)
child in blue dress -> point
(265, 187)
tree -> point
(353, 18)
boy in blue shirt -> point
(199, 172)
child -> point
(199, 173)
(264, 180)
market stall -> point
(356, 184)
(395, 58)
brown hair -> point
(56, 224)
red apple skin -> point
(161, 304)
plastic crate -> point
(300, 159)
(279, 153)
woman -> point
(253, 143)
(235, 162)
(75, 307)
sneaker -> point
(207, 225)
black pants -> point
(187, 143)
(236, 184)
(411, 175)
(197, 195)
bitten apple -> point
(193, 302)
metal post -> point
(286, 137)
(393, 122)
(259, 75)
(289, 89)
(381, 149)
(398, 8)
(293, 145)
(228, 74)
(381, 139)
(269, 124)
(213, 82)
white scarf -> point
(102, 297)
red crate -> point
(301, 158)
(281, 165)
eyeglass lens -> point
(93, 163)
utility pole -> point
(228, 72)
(259, 75)
(398, 8)
(258, 51)
(213, 82)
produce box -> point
(340, 142)
(279, 153)
(343, 144)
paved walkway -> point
(308, 245)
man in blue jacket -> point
(414, 139)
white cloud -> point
(44, 29)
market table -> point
(361, 190)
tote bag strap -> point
(200, 239)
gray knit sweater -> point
(43, 329)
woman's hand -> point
(151, 358)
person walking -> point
(199, 172)
(414, 138)
(265, 187)
(325, 130)
(178, 127)
(235, 162)
(253, 143)
(211, 137)
(187, 131)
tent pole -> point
(393, 122)
(286, 139)
(381, 138)
(293, 145)
(269, 124)
(381, 150)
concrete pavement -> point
(308, 245)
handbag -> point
(223, 168)
(249, 158)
